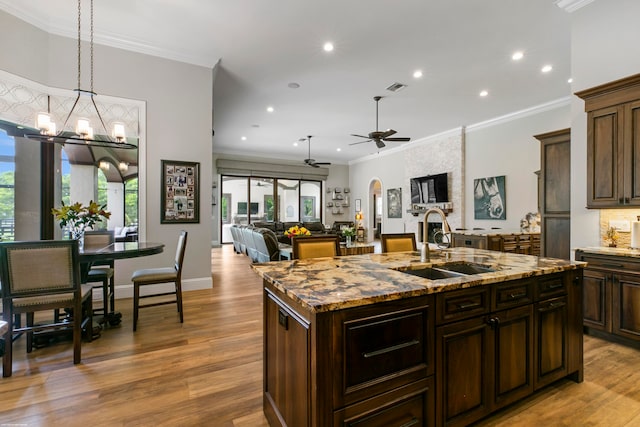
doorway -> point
(375, 207)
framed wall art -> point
(489, 198)
(394, 203)
(180, 192)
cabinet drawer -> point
(409, 406)
(383, 346)
(509, 243)
(457, 305)
(512, 294)
(550, 286)
(610, 263)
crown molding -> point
(106, 38)
(572, 5)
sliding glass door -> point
(250, 200)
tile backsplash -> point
(620, 217)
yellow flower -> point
(77, 217)
(297, 231)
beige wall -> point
(178, 126)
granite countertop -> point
(327, 284)
(605, 250)
(493, 232)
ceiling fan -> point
(380, 136)
(309, 161)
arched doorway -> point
(374, 222)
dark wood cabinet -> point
(612, 296)
(613, 143)
(449, 358)
(516, 243)
(555, 193)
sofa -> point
(126, 234)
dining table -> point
(98, 254)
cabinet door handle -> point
(520, 295)
(552, 305)
(410, 423)
(390, 349)
(493, 322)
(556, 285)
(468, 305)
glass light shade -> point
(104, 165)
(83, 127)
(89, 134)
(43, 122)
(118, 132)
(52, 129)
(123, 166)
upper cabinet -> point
(613, 143)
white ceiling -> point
(462, 47)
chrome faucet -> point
(424, 253)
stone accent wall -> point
(438, 154)
(617, 214)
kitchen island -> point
(384, 339)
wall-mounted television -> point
(430, 189)
(242, 208)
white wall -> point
(507, 147)
(178, 125)
(604, 47)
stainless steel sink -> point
(448, 270)
(466, 268)
(432, 273)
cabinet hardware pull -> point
(390, 349)
(556, 285)
(556, 304)
(283, 319)
(520, 295)
(413, 422)
(493, 322)
(468, 305)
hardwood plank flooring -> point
(208, 371)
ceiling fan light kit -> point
(379, 137)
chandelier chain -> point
(79, 45)
(91, 45)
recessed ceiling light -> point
(546, 68)
(270, 109)
(570, 80)
(328, 47)
(294, 85)
(338, 149)
(295, 144)
(517, 56)
(244, 138)
(255, 126)
(484, 93)
(417, 74)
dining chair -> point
(398, 242)
(315, 246)
(154, 276)
(38, 276)
(104, 272)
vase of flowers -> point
(77, 218)
(613, 236)
(348, 233)
(296, 231)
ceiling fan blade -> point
(360, 142)
(308, 161)
(313, 165)
(322, 163)
(360, 136)
(400, 139)
(388, 133)
(380, 144)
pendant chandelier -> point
(83, 133)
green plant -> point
(348, 231)
(612, 235)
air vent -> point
(396, 87)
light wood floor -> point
(208, 371)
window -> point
(7, 186)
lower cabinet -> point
(611, 296)
(446, 359)
(517, 243)
(483, 364)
